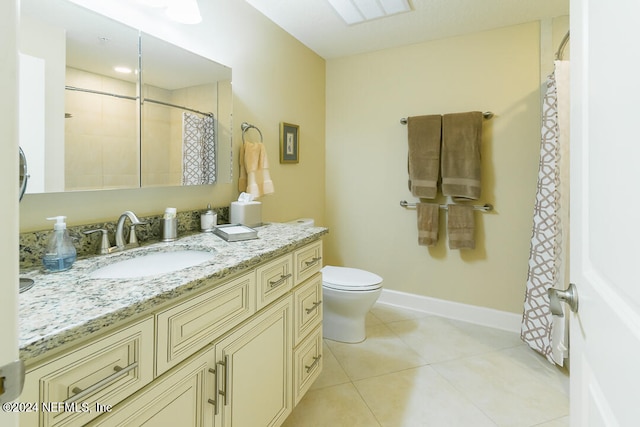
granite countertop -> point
(67, 306)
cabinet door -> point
(183, 397)
(254, 370)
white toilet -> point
(347, 296)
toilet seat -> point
(349, 279)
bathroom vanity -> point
(234, 341)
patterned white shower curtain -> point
(198, 149)
(548, 256)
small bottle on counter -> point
(169, 225)
(60, 254)
(208, 219)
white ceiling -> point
(316, 24)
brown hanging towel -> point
(428, 219)
(424, 135)
(461, 227)
(461, 139)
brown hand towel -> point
(461, 138)
(424, 134)
(461, 227)
(428, 214)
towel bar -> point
(487, 115)
(246, 126)
(487, 207)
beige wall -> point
(498, 71)
(275, 78)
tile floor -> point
(415, 370)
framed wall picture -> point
(289, 143)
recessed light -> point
(356, 11)
(123, 70)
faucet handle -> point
(133, 239)
(104, 243)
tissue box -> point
(246, 213)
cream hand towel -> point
(424, 135)
(255, 178)
(461, 227)
(428, 221)
(461, 139)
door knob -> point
(557, 297)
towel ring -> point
(245, 127)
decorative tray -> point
(235, 232)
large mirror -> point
(105, 107)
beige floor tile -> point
(419, 397)
(511, 386)
(437, 339)
(389, 313)
(560, 422)
(381, 353)
(332, 373)
(337, 406)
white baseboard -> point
(453, 310)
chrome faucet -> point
(133, 240)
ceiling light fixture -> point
(123, 70)
(356, 11)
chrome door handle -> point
(557, 297)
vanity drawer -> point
(307, 308)
(185, 328)
(275, 279)
(307, 261)
(307, 364)
(104, 372)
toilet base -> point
(344, 329)
(344, 313)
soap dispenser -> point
(208, 219)
(60, 253)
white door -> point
(605, 212)
(8, 191)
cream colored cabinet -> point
(275, 279)
(253, 371)
(182, 397)
(307, 332)
(307, 261)
(240, 354)
(82, 383)
(187, 327)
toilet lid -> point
(350, 279)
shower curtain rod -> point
(563, 44)
(487, 115)
(176, 106)
(99, 92)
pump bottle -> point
(60, 253)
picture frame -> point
(289, 143)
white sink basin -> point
(152, 264)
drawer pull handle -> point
(316, 359)
(315, 306)
(283, 278)
(313, 261)
(225, 384)
(215, 387)
(119, 372)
